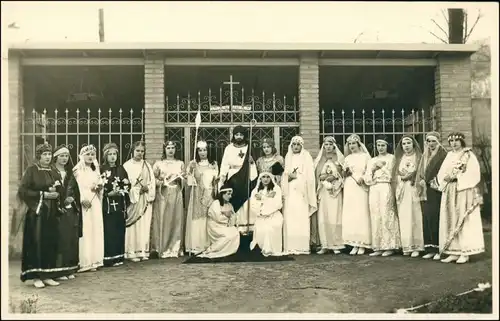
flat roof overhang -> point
(240, 50)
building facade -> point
(305, 89)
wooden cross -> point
(231, 83)
(114, 204)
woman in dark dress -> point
(40, 240)
(114, 206)
(69, 219)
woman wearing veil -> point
(384, 220)
(356, 224)
(139, 213)
(114, 206)
(38, 211)
(430, 195)
(85, 188)
(70, 220)
(266, 203)
(460, 225)
(408, 156)
(201, 177)
(329, 181)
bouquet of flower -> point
(119, 186)
(103, 180)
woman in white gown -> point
(329, 190)
(221, 226)
(139, 212)
(90, 185)
(384, 220)
(356, 224)
(408, 156)
(460, 226)
(266, 203)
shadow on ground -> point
(309, 284)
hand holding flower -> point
(86, 204)
(258, 197)
(322, 177)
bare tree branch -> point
(444, 15)
(479, 16)
(440, 28)
(359, 35)
(436, 36)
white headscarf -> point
(306, 170)
(276, 187)
(354, 138)
(321, 154)
(81, 162)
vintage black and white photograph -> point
(249, 159)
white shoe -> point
(376, 253)
(415, 254)
(428, 256)
(93, 270)
(38, 284)
(387, 253)
(71, 277)
(437, 257)
(63, 278)
(51, 282)
(361, 251)
(463, 259)
(354, 251)
(450, 259)
(336, 252)
(118, 264)
(406, 253)
(322, 251)
(144, 258)
(135, 260)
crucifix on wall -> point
(231, 83)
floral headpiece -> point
(201, 144)
(456, 136)
(87, 150)
(297, 140)
(109, 146)
(353, 138)
(268, 141)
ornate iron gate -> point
(394, 124)
(277, 118)
(77, 127)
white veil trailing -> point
(354, 138)
(321, 154)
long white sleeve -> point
(472, 175)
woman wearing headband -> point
(327, 221)
(86, 188)
(266, 203)
(460, 226)
(69, 220)
(223, 235)
(430, 196)
(142, 193)
(384, 221)
(114, 206)
(270, 160)
(356, 224)
(407, 199)
(168, 208)
(202, 174)
(39, 192)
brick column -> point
(154, 106)
(309, 103)
(453, 97)
(14, 145)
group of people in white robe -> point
(99, 215)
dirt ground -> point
(310, 284)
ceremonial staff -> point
(197, 124)
(253, 122)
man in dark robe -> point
(430, 163)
